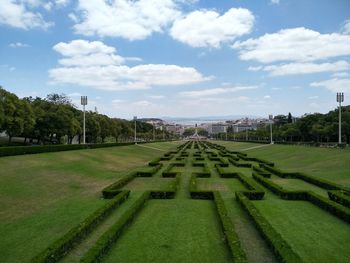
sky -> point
(179, 58)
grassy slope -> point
(330, 164)
(175, 230)
(42, 196)
(315, 235)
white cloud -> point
(313, 97)
(334, 85)
(213, 92)
(18, 45)
(74, 94)
(304, 68)
(133, 20)
(340, 75)
(267, 97)
(295, 44)
(156, 97)
(346, 27)
(275, 2)
(18, 14)
(210, 29)
(257, 68)
(94, 64)
(135, 59)
(142, 103)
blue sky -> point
(154, 58)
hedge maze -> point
(235, 186)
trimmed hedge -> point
(280, 247)
(320, 201)
(307, 178)
(261, 171)
(167, 172)
(340, 197)
(112, 190)
(149, 172)
(225, 174)
(232, 239)
(255, 191)
(334, 208)
(239, 164)
(97, 252)
(154, 162)
(20, 150)
(66, 243)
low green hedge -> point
(97, 252)
(340, 197)
(149, 172)
(334, 208)
(307, 178)
(225, 174)
(113, 189)
(255, 191)
(239, 164)
(168, 173)
(232, 239)
(162, 195)
(279, 190)
(20, 150)
(66, 243)
(280, 247)
(261, 171)
(154, 162)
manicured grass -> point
(327, 163)
(175, 230)
(218, 184)
(152, 184)
(43, 195)
(314, 234)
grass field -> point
(42, 196)
(328, 163)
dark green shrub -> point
(232, 238)
(113, 189)
(105, 242)
(66, 243)
(280, 247)
(340, 197)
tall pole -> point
(270, 120)
(135, 117)
(84, 103)
(340, 99)
(154, 135)
(246, 134)
(84, 125)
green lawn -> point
(328, 163)
(42, 196)
(175, 230)
(316, 235)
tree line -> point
(55, 119)
(317, 128)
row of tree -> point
(315, 127)
(55, 119)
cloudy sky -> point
(154, 58)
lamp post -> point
(340, 99)
(154, 135)
(84, 103)
(135, 118)
(270, 121)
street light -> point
(154, 135)
(84, 103)
(340, 99)
(271, 121)
(135, 118)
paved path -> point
(151, 147)
(255, 147)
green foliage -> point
(340, 197)
(63, 245)
(281, 248)
(104, 243)
(232, 238)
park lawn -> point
(314, 234)
(151, 184)
(327, 163)
(175, 230)
(43, 195)
(230, 185)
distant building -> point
(216, 128)
(175, 128)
